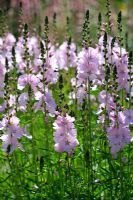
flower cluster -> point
(65, 134)
(12, 133)
(118, 132)
(36, 66)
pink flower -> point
(3, 107)
(51, 75)
(116, 56)
(12, 132)
(121, 118)
(12, 100)
(9, 41)
(118, 137)
(66, 56)
(45, 101)
(65, 134)
(10, 142)
(33, 46)
(2, 75)
(50, 103)
(106, 100)
(30, 79)
(81, 94)
(128, 116)
(23, 101)
(88, 64)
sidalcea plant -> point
(74, 104)
(65, 134)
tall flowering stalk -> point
(65, 134)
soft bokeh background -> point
(34, 12)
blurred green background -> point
(34, 12)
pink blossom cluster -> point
(90, 66)
(36, 75)
(12, 133)
(118, 132)
(116, 56)
(66, 56)
(88, 63)
(65, 134)
(87, 70)
(30, 76)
